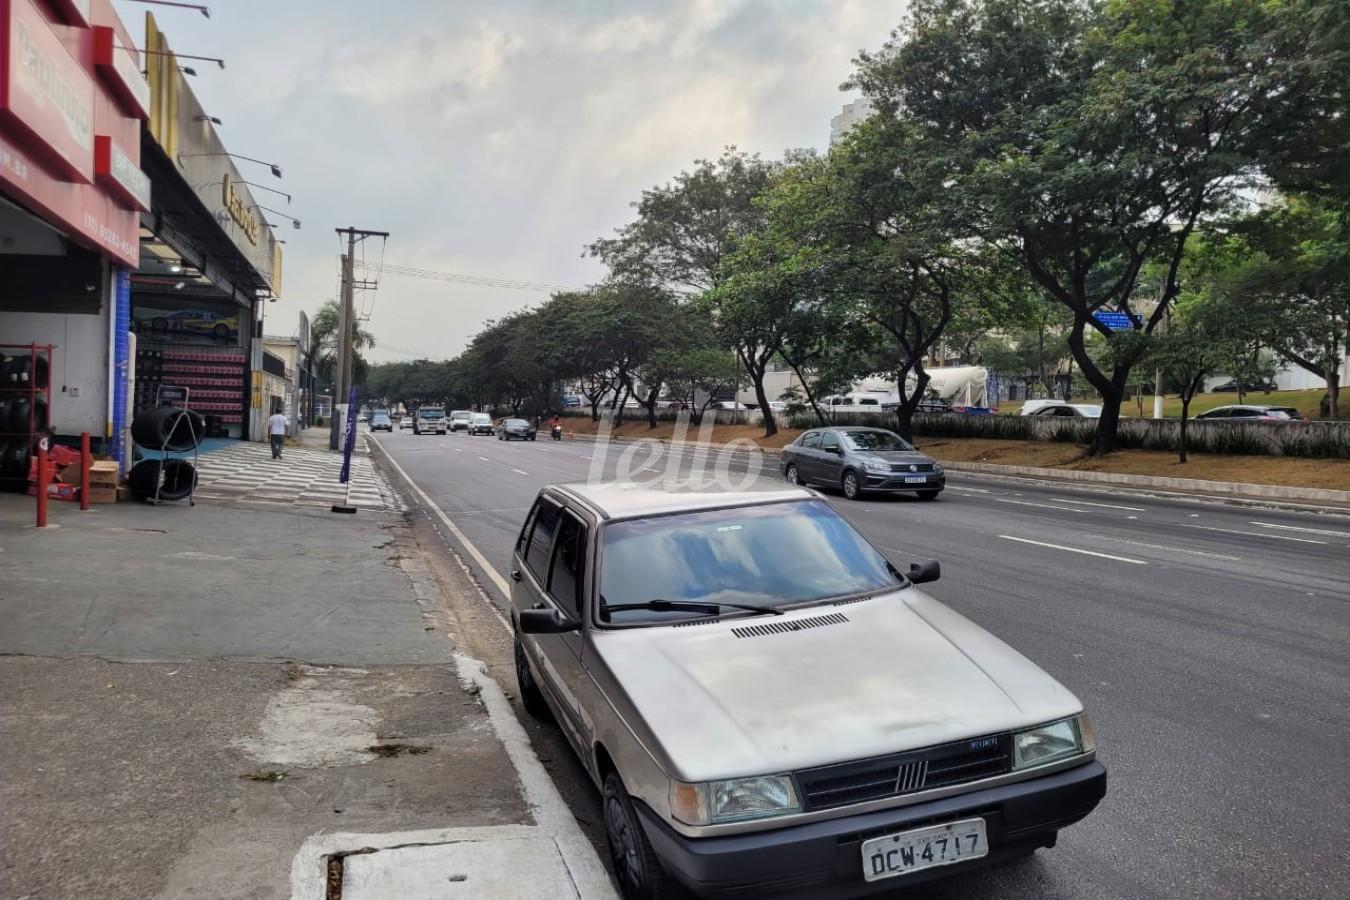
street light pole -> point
(346, 348)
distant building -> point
(851, 115)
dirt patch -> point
(388, 751)
(265, 775)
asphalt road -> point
(1208, 642)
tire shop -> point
(72, 192)
(209, 263)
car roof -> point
(626, 500)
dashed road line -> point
(1164, 547)
(1345, 534)
(1264, 534)
(484, 459)
(1124, 559)
(1043, 505)
(1103, 505)
(520, 471)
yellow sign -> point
(240, 211)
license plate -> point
(915, 479)
(923, 848)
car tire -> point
(792, 476)
(636, 867)
(852, 485)
(530, 696)
(928, 495)
(532, 437)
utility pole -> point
(346, 349)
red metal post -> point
(43, 477)
(86, 459)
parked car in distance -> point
(459, 419)
(380, 421)
(1251, 413)
(571, 400)
(362, 418)
(857, 460)
(1068, 410)
(406, 424)
(511, 429)
(788, 739)
(429, 420)
(480, 423)
(1231, 387)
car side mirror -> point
(924, 572)
(546, 621)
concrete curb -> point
(1267, 494)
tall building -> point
(851, 115)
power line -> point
(482, 280)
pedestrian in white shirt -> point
(276, 432)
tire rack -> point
(164, 452)
(33, 392)
(215, 379)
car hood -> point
(893, 673)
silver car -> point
(859, 460)
(767, 704)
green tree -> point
(324, 331)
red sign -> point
(119, 174)
(45, 94)
(121, 71)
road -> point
(1207, 641)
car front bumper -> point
(824, 859)
(895, 481)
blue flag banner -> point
(350, 440)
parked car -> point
(480, 423)
(511, 429)
(858, 460)
(1068, 410)
(1251, 413)
(1231, 387)
(380, 421)
(406, 424)
(459, 420)
(571, 400)
(429, 420)
(825, 724)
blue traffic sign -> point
(1117, 321)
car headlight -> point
(1046, 744)
(876, 465)
(734, 800)
(937, 468)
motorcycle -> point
(557, 432)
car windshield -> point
(482, 417)
(875, 440)
(517, 423)
(431, 413)
(772, 554)
(380, 417)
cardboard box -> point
(102, 494)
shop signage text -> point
(121, 71)
(116, 171)
(47, 93)
(238, 207)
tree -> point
(1087, 140)
(324, 331)
(1197, 341)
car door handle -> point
(515, 575)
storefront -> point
(72, 99)
(209, 264)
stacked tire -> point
(175, 479)
(170, 430)
(23, 416)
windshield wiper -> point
(709, 607)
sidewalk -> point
(251, 698)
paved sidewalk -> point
(250, 698)
(305, 475)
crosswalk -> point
(246, 472)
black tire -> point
(791, 475)
(175, 478)
(169, 428)
(221, 330)
(530, 696)
(928, 495)
(851, 485)
(636, 867)
(532, 437)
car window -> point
(1287, 411)
(524, 537)
(811, 440)
(875, 440)
(1214, 414)
(868, 401)
(829, 441)
(772, 554)
(1243, 413)
(541, 537)
(569, 564)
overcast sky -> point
(498, 138)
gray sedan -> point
(858, 460)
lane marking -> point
(1273, 537)
(484, 459)
(1125, 559)
(517, 471)
(1204, 553)
(1043, 505)
(459, 449)
(1103, 505)
(953, 487)
(1300, 528)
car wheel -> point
(530, 695)
(792, 476)
(636, 867)
(928, 495)
(852, 486)
(531, 437)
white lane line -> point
(1204, 553)
(1137, 562)
(543, 450)
(1043, 505)
(1300, 528)
(1103, 505)
(520, 471)
(443, 443)
(459, 449)
(952, 487)
(484, 459)
(1264, 534)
